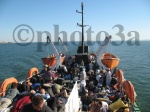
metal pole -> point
(82, 30)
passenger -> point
(82, 63)
(114, 80)
(43, 93)
(9, 97)
(46, 74)
(91, 86)
(36, 86)
(96, 66)
(56, 88)
(91, 66)
(24, 99)
(92, 95)
(62, 70)
(114, 72)
(90, 57)
(25, 86)
(68, 76)
(103, 94)
(103, 106)
(76, 67)
(70, 60)
(53, 75)
(97, 74)
(51, 102)
(118, 92)
(44, 69)
(59, 106)
(108, 77)
(94, 107)
(68, 65)
(25, 93)
(37, 105)
(91, 75)
(74, 72)
(63, 96)
(50, 92)
(82, 79)
(86, 100)
(100, 82)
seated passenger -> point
(59, 106)
(10, 95)
(103, 106)
(86, 100)
(63, 70)
(24, 99)
(63, 96)
(37, 105)
(46, 74)
(94, 106)
(43, 93)
(74, 72)
(91, 66)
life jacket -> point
(20, 103)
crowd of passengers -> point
(49, 90)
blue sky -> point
(101, 15)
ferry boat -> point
(107, 62)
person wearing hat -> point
(46, 75)
(45, 67)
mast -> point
(82, 29)
(82, 25)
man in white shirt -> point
(108, 77)
(82, 79)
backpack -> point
(20, 103)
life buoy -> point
(32, 71)
(5, 83)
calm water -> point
(15, 61)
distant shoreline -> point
(3, 42)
